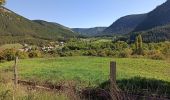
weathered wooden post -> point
(15, 77)
(113, 87)
(15, 72)
(113, 72)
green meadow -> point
(88, 71)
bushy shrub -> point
(34, 54)
(125, 53)
(22, 55)
(65, 48)
(102, 53)
(51, 52)
(63, 54)
(68, 53)
(8, 54)
(138, 52)
(157, 57)
(155, 54)
(91, 53)
(1, 57)
(113, 53)
(152, 52)
(166, 52)
(77, 53)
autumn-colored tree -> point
(2, 2)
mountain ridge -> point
(124, 24)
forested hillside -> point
(124, 25)
(154, 26)
(89, 31)
(158, 17)
(157, 34)
(15, 28)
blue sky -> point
(81, 13)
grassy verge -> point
(25, 93)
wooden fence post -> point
(113, 72)
(114, 92)
(15, 72)
(15, 77)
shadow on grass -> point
(137, 86)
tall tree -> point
(140, 41)
(138, 45)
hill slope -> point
(124, 25)
(18, 28)
(158, 17)
(156, 26)
(89, 31)
(157, 34)
(55, 29)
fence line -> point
(115, 93)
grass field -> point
(89, 70)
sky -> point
(81, 13)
